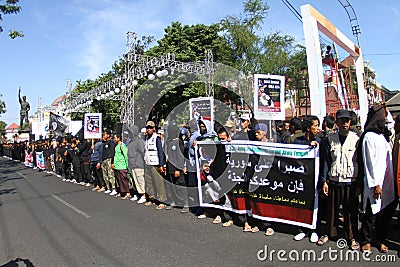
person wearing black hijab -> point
(378, 180)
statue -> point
(25, 107)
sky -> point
(72, 40)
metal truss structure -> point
(138, 66)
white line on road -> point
(22, 175)
(64, 202)
(71, 206)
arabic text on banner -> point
(269, 181)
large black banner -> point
(269, 181)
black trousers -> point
(58, 167)
(85, 172)
(66, 169)
(380, 221)
(346, 196)
(176, 190)
(77, 172)
(98, 176)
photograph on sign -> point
(202, 108)
(269, 93)
(92, 125)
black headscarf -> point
(375, 123)
(376, 120)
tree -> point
(2, 106)
(273, 53)
(10, 7)
(2, 110)
(241, 34)
(3, 126)
(189, 42)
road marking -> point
(64, 202)
(22, 175)
(71, 206)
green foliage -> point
(109, 108)
(10, 7)
(14, 34)
(276, 54)
(241, 34)
(189, 42)
(2, 106)
(3, 126)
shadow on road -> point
(7, 191)
(394, 232)
(9, 179)
(7, 170)
(17, 263)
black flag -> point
(57, 124)
(79, 135)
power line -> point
(300, 18)
(293, 10)
(383, 54)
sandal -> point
(228, 223)
(383, 248)
(247, 229)
(354, 245)
(366, 247)
(217, 220)
(161, 206)
(255, 229)
(269, 231)
(322, 240)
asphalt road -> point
(47, 222)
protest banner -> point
(269, 181)
(28, 159)
(40, 161)
(92, 125)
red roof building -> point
(12, 128)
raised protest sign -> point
(202, 108)
(92, 125)
(269, 181)
(269, 91)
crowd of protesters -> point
(358, 176)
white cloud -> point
(103, 29)
(395, 10)
(103, 25)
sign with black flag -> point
(58, 124)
